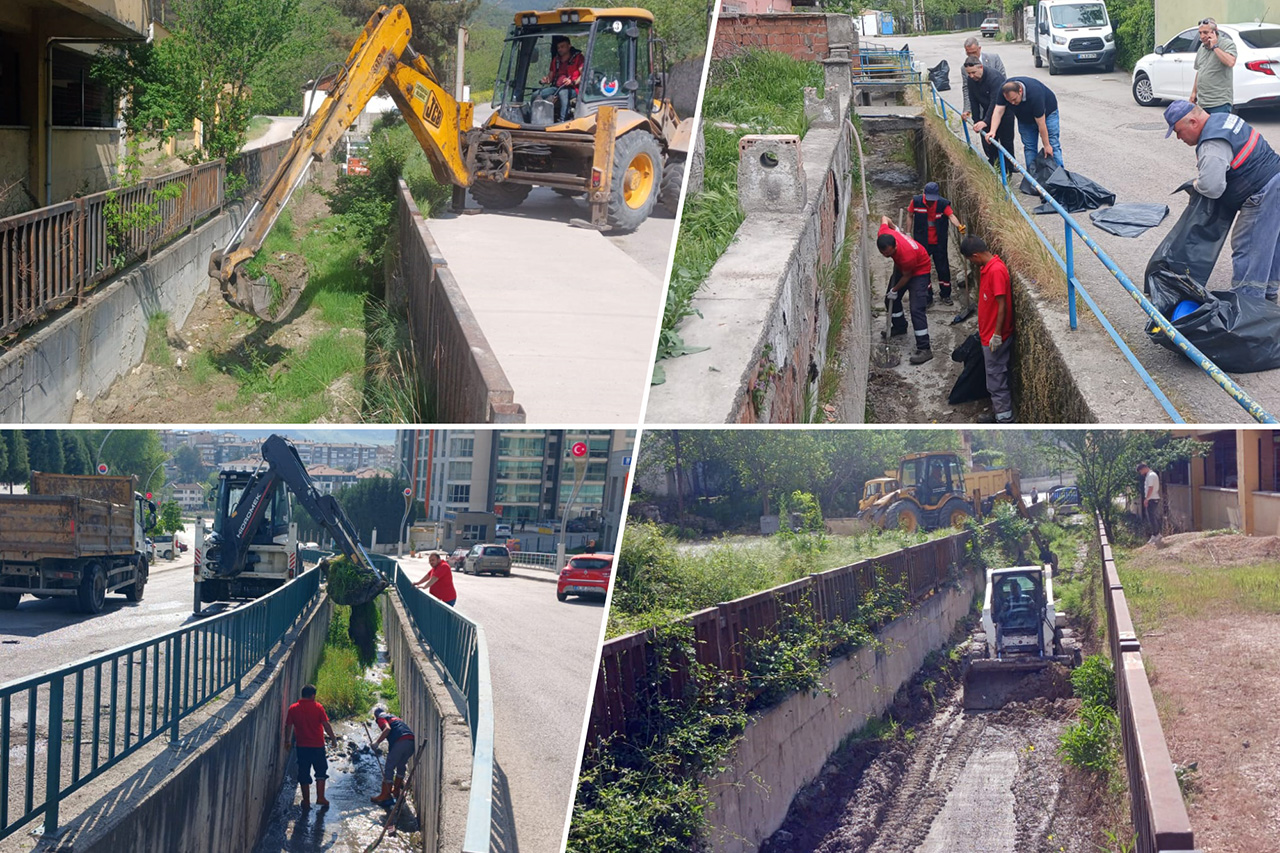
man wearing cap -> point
(1236, 166)
(930, 213)
(401, 745)
(910, 273)
(1213, 88)
(983, 92)
(1036, 108)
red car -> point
(585, 574)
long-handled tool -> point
(373, 748)
(885, 355)
(394, 814)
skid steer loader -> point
(1022, 634)
(620, 143)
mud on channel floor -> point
(907, 393)
(938, 779)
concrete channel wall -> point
(86, 349)
(786, 747)
(442, 782)
(191, 810)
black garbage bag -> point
(1129, 219)
(1074, 192)
(940, 76)
(971, 384)
(1042, 168)
(1240, 333)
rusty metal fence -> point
(723, 634)
(452, 351)
(1155, 799)
(51, 257)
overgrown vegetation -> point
(1135, 26)
(340, 683)
(757, 91)
(1092, 743)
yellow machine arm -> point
(380, 59)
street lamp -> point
(408, 505)
(97, 457)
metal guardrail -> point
(536, 560)
(1074, 286)
(460, 645)
(723, 634)
(1155, 799)
(123, 699)
(53, 256)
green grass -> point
(257, 127)
(1194, 591)
(280, 239)
(156, 349)
(296, 387)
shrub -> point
(1094, 682)
(1092, 743)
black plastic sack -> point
(940, 76)
(1074, 192)
(1129, 219)
(1042, 168)
(1240, 333)
(971, 384)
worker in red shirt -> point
(565, 75)
(439, 581)
(995, 325)
(911, 264)
(930, 213)
(308, 718)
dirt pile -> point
(1181, 550)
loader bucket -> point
(990, 684)
(351, 584)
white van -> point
(1073, 34)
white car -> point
(1169, 73)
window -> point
(1221, 464)
(1080, 15)
(530, 469)
(1179, 473)
(644, 69)
(611, 63)
(79, 100)
(459, 470)
(10, 82)
(516, 493)
(526, 446)
(460, 494)
(1184, 42)
(1263, 37)
(462, 447)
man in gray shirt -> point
(972, 47)
(1212, 89)
(1236, 166)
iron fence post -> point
(53, 765)
(175, 688)
(1004, 174)
(1071, 276)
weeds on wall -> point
(127, 218)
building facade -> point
(1235, 485)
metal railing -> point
(53, 256)
(1074, 286)
(460, 646)
(63, 728)
(1155, 799)
(723, 634)
(535, 560)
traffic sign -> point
(102, 467)
(148, 496)
(626, 462)
(407, 491)
(579, 449)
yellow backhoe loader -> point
(618, 141)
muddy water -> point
(350, 823)
(906, 393)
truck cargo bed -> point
(35, 527)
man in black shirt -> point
(1036, 108)
(983, 87)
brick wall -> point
(803, 36)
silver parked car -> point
(487, 559)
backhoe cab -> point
(931, 494)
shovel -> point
(966, 299)
(885, 355)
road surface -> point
(1106, 136)
(542, 655)
(282, 128)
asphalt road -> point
(1106, 136)
(542, 654)
(43, 635)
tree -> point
(772, 462)
(170, 517)
(44, 450)
(190, 465)
(75, 456)
(373, 504)
(134, 451)
(435, 27)
(317, 44)
(18, 469)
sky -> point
(321, 434)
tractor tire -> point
(499, 195)
(637, 180)
(956, 513)
(92, 594)
(9, 600)
(134, 593)
(903, 515)
(672, 181)
(211, 591)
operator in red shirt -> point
(308, 718)
(911, 265)
(565, 75)
(439, 581)
(995, 325)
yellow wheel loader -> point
(1022, 634)
(619, 142)
(931, 494)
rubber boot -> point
(397, 787)
(306, 796)
(320, 800)
(384, 794)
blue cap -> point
(931, 191)
(1175, 112)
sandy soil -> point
(1180, 550)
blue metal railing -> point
(460, 645)
(123, 699)
(1074, 285)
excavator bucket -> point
(264, 298)
(350, 583)
(991, 684)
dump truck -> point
(252, 547)
(1022, 634)
(73, 536)
(618, 142)
(934, 490)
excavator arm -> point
(283, 465)
(380, 59)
